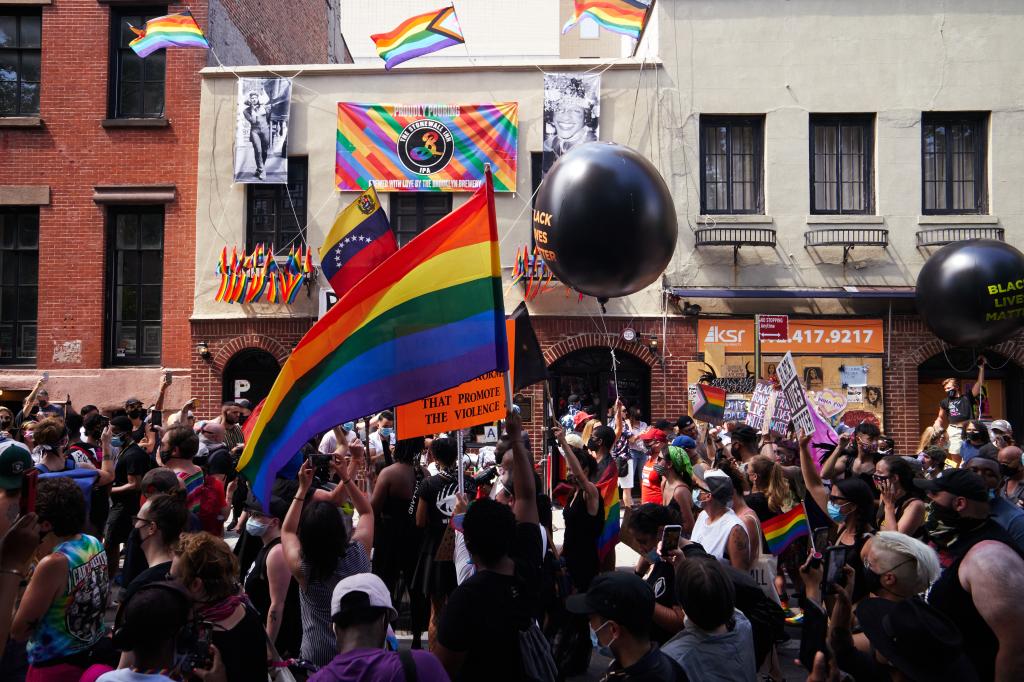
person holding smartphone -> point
(650, 525)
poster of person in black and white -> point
(572, 109)
(261, 130)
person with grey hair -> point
(718, 529)
(896, 566)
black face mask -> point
(944, 524)
(1004, 471)
(872, 581)
(5, 422)
(951, 393)
(166, 455)
(137, 414)
(594, 444)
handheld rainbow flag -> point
(709, 404)
(360, 240)
(618, 16)
(608, 486)
(417, 36)
(173, 30)
(781, 531)
(427, 319)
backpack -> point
(211, 506)
(535, 654)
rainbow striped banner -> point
(426, 147)
(173, 30)
(618, 16)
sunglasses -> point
(837, 500)
(879, 478)
(136, 519)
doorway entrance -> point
(249, 374)
(1003, 394)
(588, 374)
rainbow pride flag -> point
(782, 530)
(417, 36)
(618, 16)
(428, 318)
(608, 486)
(173, 30)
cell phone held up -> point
(835, 559)
(670, 539)
(194, 646)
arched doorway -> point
(249, 374)
(588, 374)
(1003, 397)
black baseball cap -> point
(684, 422)
(960, 482)
(622, 597)
(278, 507)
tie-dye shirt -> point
(193, 485)
(74, 621)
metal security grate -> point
(847, 237)
(940, 236)
(735, 237)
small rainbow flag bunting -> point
(782, 530)
(417, 36)
(618, 16)
(173, 30)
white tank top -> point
(714, 535)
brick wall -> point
(293, 32)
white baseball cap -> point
(1002, 426)
(360, 591)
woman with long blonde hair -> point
(933, 436)
(770, 493)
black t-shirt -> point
(438, 491)
(485, 614)
(959, 409)
(131, 461)
(221, 462)
(153, 574)
(243, 649)
(662, 580)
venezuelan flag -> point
(173, 30)
(425, 320)
(618, 16)
(360, 240)
(417, 36)
(782, 530)
(608, 486)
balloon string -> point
(615, 374)
(954, 367)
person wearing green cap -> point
(15, 460)
(677, 484)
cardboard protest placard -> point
(794, 392)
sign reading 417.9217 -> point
(808, 336)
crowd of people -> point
(116, 565)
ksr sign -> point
(818, 337)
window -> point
(277, 213)
(841, 164)
(731, 179)
(953, 163)
(19, 283)
(136, 84)
(20, 34)
(413, 212)
(136, 261)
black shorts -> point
(119, 524)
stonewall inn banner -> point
(426, 147)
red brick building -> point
(98, 153)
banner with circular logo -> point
(426, 147)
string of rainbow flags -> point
(247, 278)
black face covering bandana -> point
(945, 525)
(951, 393)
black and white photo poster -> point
(794, 392)
(261, 130)
(572, 110)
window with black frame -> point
(731, 155)
(276, 214)
(20, 54)
(136, 260)
(953, 163)
(136, 84)
(19, 284)
(841, 171)
(413, 212)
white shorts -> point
(626, 482)
(956, 437)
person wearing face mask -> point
(854, 459)
(677, 485)
(131, 465)
(971, 590)
(935, 460)
(61, 612)
(1001, 432)
(743, 445)
(647, 525)
(976, 442)
(956, 409)
(37, 406)
(159, 523)
(1011, 467)
(14, 462)
(718, 529)
(380, 441)
(362, 613)
(1010, 517)
(902, 506)
(621, 610)
(269, 584)
(6, 423)
(583, 516)
(650, 480)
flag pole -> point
(489, 183)
(643, 27)
(462, 471)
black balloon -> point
(604, 220)
(971, 293)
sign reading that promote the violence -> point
(817, 337)
(794, 393)
(471, 403)
(426, 147)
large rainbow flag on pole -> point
(417, 36)
(608, 486)
(783, 529)
(428, 318)
(173, 30)
(618, 16)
